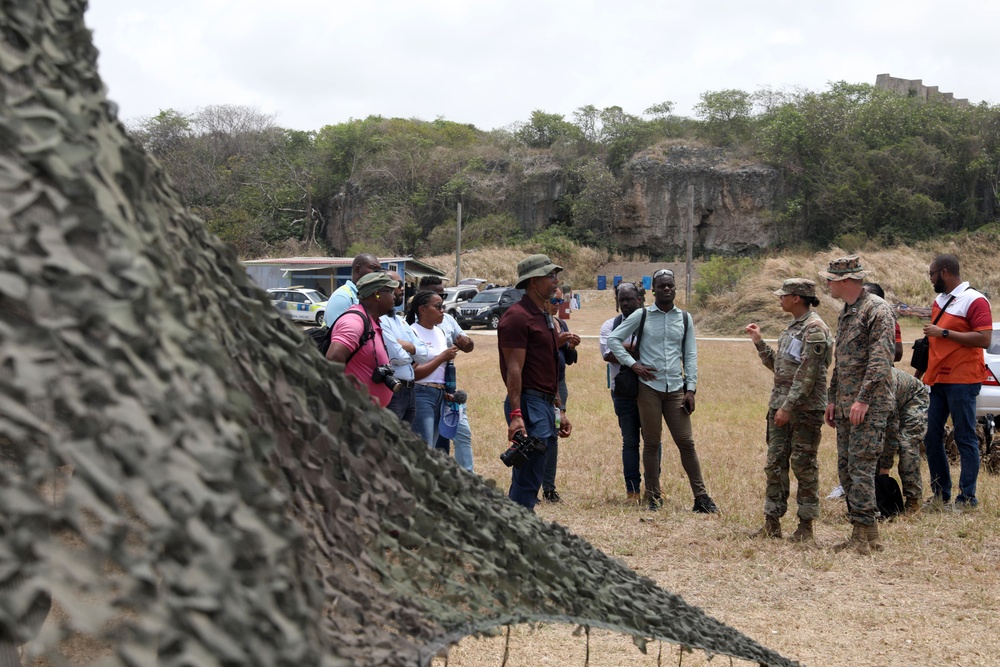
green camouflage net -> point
(182, 474)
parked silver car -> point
(456, 296)
(988, 402)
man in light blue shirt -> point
(668, 378)
(405, 349)
(346, 295)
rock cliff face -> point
(732, 203)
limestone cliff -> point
(732, 202)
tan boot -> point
(874, 541)
(912, 506)
(804, 533)
(633, 497)
(857, 541)
(771, 528)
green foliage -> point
(545, 129)
(598, 204)
(726, 114)
(500, 229)
(554, 242)
(722, 274)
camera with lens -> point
(384, 375)
(523, 445)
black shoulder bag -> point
(922, 346)
(627, 382)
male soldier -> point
(346, 295)
(795, 412)
(861, 394)
(903, 433)
(528, 339)
(668, 378)
(405, 349)
(629, 297)
(876, 289)
(955, 373)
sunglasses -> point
(663, 272)
(555, 301)
(436, 306)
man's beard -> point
(939, 286)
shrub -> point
(721, 274)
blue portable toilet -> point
(618, 279)
(647, 283)
(602, 282)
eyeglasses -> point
(931, 274)
(663, 272)
(438, 306)
(555, 301)
(552, 276)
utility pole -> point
(458, 246)
(690, 248)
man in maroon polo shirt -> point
(528, 339)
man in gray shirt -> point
(668, 378)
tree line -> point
(857, 162)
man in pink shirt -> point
(356, 337)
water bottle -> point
(558, 418)
(449, 378)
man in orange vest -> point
(955, 373)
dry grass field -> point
(933, 597)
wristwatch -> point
(944, 333)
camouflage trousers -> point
(904, 433)
(858, 450)
(794, 446)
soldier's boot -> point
(771, 528)
(874, 541)
(804, 533)
(912, 506)
(857, 541)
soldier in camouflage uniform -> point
(861, 394)
(904, 433)
(795, 411)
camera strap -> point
(367, 335)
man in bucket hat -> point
(861, 394)
(528, 340)
(795, 411)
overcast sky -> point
(319, 62)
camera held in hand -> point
(384, 375)
(523, 445)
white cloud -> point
(492, 62)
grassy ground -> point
(933, 597)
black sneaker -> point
(551, 496)
(655, 503)
(705, 505)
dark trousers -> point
(403, 405)
(958, 400)
(628, 422)
(655, 407)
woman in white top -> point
(425, 314)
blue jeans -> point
(958, 400)
(403, 405)
(463, 443)
(428, 403)
(539, 422)
(628, 422)
(552, 455)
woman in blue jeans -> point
(425, 314)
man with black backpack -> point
(668, 377)
(356, 337)
(629, 298)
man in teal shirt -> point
(668, 378)
(346, 295)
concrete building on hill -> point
(916, 88)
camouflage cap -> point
(373, 282)
(797, 287)
(844, 268)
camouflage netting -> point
(182, 472)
